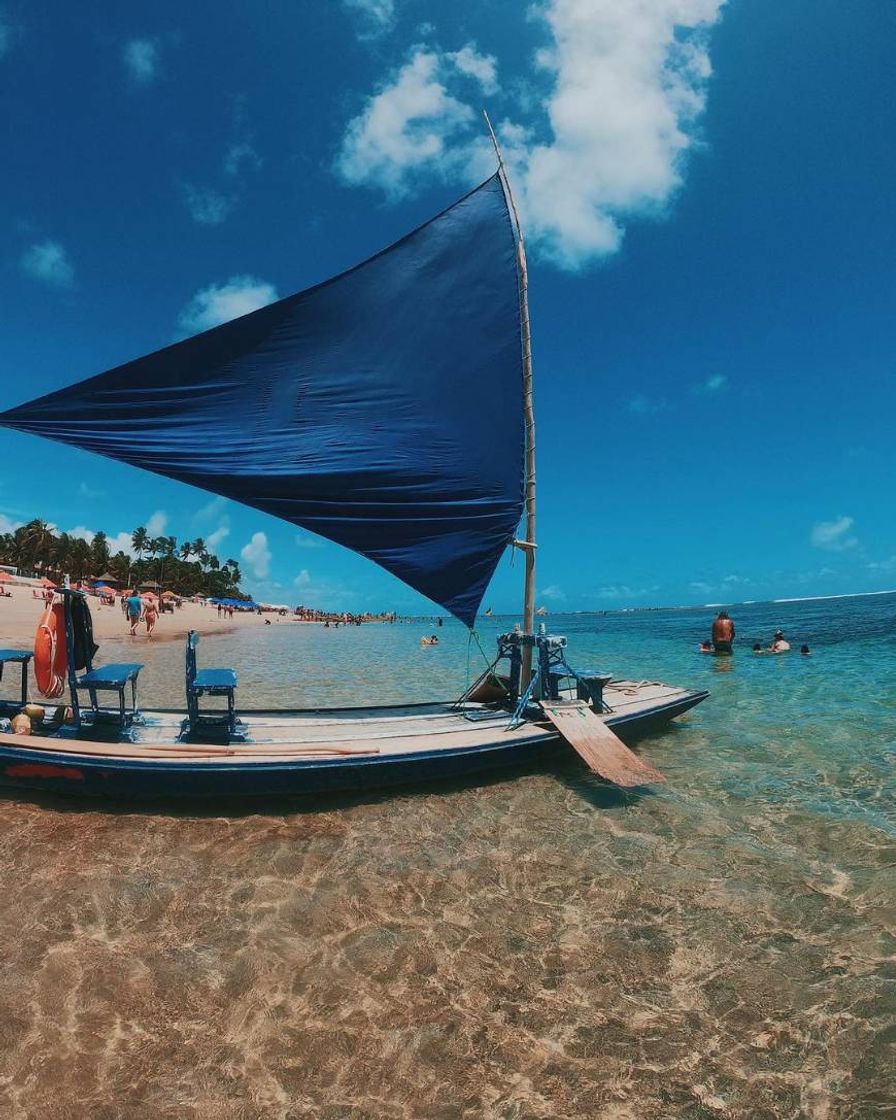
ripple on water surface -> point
(535, 946)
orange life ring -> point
(50, 658)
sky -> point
(707, 194)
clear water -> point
(722, 945)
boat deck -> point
(269, 736)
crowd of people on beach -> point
(723, 634)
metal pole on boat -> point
(528, 545)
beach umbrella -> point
(148, 595)
(44, 582)
(169, 595)
(5, 577)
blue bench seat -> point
(215, 681)
(208, 682)
(15, 657)
(110, 678)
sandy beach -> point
(20, 612)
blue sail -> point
(382, 409)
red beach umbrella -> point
(5, 577)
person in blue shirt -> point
(135, 609)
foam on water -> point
(535, 946)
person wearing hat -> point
(779, 644)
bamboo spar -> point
(528, 546)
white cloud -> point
(257, 556)
(47, 261)
(217, 536)
(7, 525)
(715, 384)
(406, 128)
(207, 207)
(85, 491)
(212, 510)
(303, 579)
(554, 593)
(646, 406)
(239, 156)
(303, 540)
(482, 67)
(378, 15)
(155, 527)
(834, 536)
(119, 542)
(608, 139)
(616, 591)
(218, 303)
(141, 57)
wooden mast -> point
(528, 545)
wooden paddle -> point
(600, 748)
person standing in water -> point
(722, 633)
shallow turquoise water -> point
(722, 945)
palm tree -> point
(166, 548)
(99, 553)
(35, 542)
(186, 550)
(140, 541)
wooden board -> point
(602, 750)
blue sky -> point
(707, 192)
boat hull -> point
(127, 777)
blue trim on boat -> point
(130, 779)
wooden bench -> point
(208, 682)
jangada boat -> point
(343, 409)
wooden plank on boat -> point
(602, 750)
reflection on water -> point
(534, 946)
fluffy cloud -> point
(7, 525)
(715, 384)
(303, 579)
(207, 207)
(141, 59)
(303, 540)
(554, 593)
(482, 67)
(218, 303)
(406, 128)
(378, 15)
(241, 156)
(156, 524)
(257, 556)
(646, 406)
(47, 261)
(120, 542)
(217, 536)
(625, 87)
(834, 536)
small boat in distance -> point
(342, 409)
